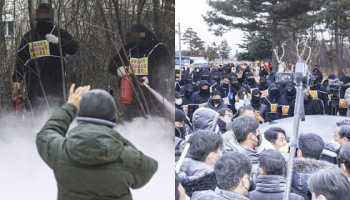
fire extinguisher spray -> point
(18, 104)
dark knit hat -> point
(255, 91)
(180, 116)
(332, 76)
(98, 106)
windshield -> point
(184, 61)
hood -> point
(209, 79)
(204, 119)
(196, 175)
(151, 41)
(91, 144)
(203, 82)
(303, 169)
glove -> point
(51, 38)
(121, 71)
(16, 85)
(144, 80)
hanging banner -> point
(39, 49)
(139, 65)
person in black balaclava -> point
(250, 84)
(284, 102)
(187, 94)
(263, 72)
(318, 91)
(319, 73)
(263, 85)
(199, 97)
(311, 106)
(180, 130)
(258, 107)
(342, 106)
(45, 59)
(244, 75)
(207, 77)
(216, 77)
(235, 84)
(233, 75)
(187, 81)
(271, 101)
(282, 88)
(270, 79)
(196, 74)
(141, 44)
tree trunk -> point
(156, 19)
(119, 21)
(5, 76)
(337, 47)
(139, 10)
(274, 43)
(31, 20)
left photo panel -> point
(87, 99)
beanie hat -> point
(180, 116)
(98, 106)
(332, 76)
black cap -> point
(255, 91)
(289, 86)
(332, 76)
(178, 95)
(180, 116)
(273, 86)
(250, 73)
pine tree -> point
(224, 49)
(256, 15)
(256, 46)
(195, 43)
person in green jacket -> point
(92, 161)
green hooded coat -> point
(93, 161)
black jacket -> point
(342, 106)
(211, 82)
(159, 70)
(196, 76)
(197, 98)
(272, 103)
(320, 94)
(250, 87)
(283, 106)
(210, 105)
(271, 187)
(50, 66)
(263, 73)
(282, 88)
(304, 168)
(196, 176)
(230, 92)
(319, 76)
(311, 107)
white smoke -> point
(24, 175)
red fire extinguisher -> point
(18, 102)
(126, 90)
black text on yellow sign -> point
(39, 49)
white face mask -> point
(178, 102)
(245, 96)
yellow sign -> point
(139, 65)
(313, 94)
(185, 107)
(264, 93)
(330, 97)
(258, 117)
(274, 108)
(39, 49)
(342, 103)
(226, 101)
(285, 110)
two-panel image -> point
(105, 99)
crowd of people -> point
(219, 115)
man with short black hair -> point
(229, 135)
(215, 102)
(233, 175)
(310, 150)
(246, 130)
(276, 138)
(270, 183)
(329, 185)
(197, 173)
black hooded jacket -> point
(210, 80)
(263, 72)
(311, 107)
(320, 92)
(211, 105)
(187, 95)
(249, 87)
(229, 92)
(283, 106)
(272, 103)
(159, 70)
(50, 66)
(198, 98)
(282, 88)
